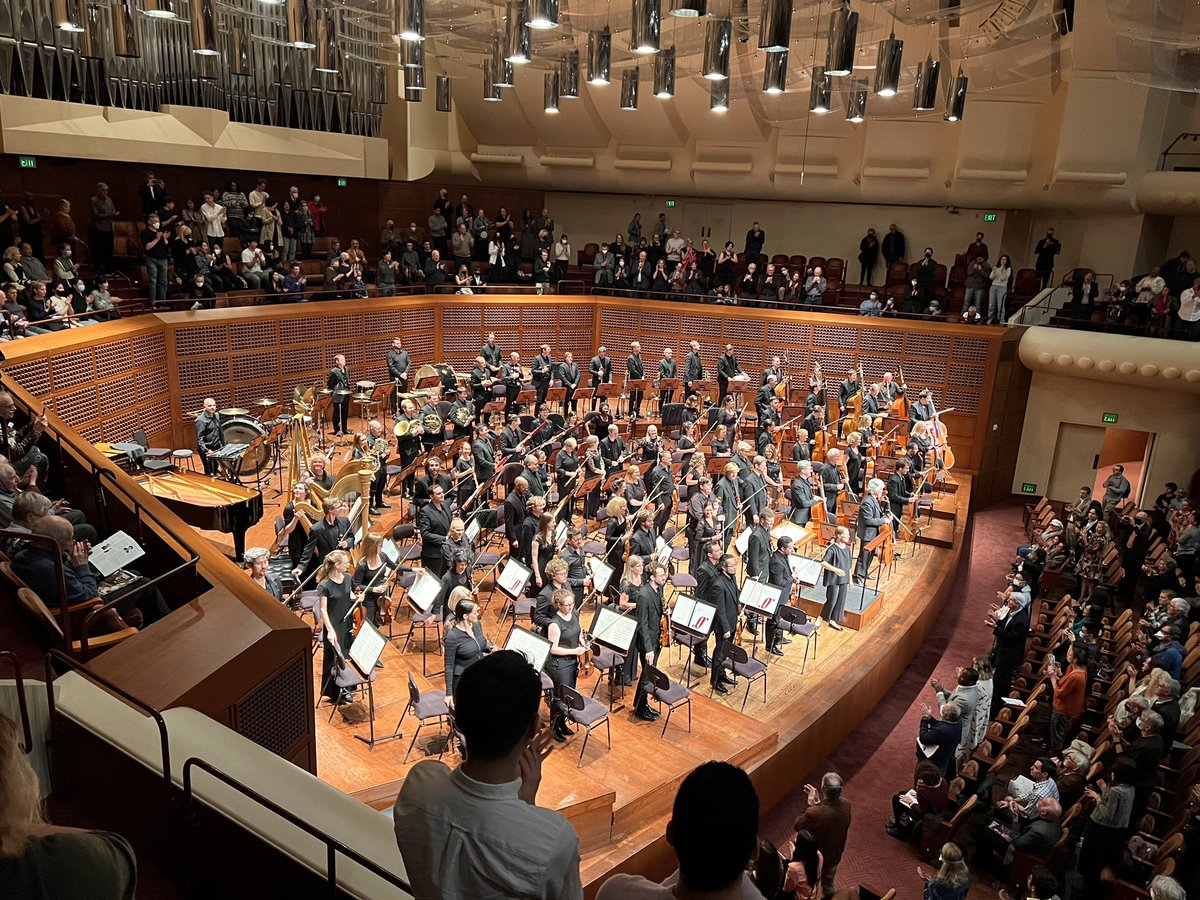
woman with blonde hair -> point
(38, 859)
(953, 880)
(616, 528)
(334, 603)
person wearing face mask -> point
(292, 223)
(317, 210)
(871, 307)
(63, 266)
(926, 275)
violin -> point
(585, 660)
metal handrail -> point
(83, 670)
(332, 845)
(20, 680)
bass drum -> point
(243, 430)
(445, 375)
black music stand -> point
(276, 439)
(621, 643)
(635, 385)
(365, 650)
(557, 396)
(672, 415)
(318, 417)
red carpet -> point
(878, 757)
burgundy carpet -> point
(878, 757)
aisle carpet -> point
(878, 757)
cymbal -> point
(363, 396)
(265, 402)
(234, 411)
(325, 392)
(365, 385)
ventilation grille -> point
(275, 715)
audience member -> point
(952, 881)
(825, 824)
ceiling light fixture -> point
(301, 24)
(925, 91)
(689, 9)
(502, 69)
(775, 26)
(820, 92)
(843, 32)
(599, 56)
(491, 90)
(775, 73)
(543, 14)
(629, 89)
(856, 101)
(644, 31)
(410, 20)
(204, 27)
(718, 94)
(957, 101)
(516, 35)
(159, 9)
(443, 93)
(717, 36)
(664, 74)
(550, 92)
(887, 66)
(568, 76)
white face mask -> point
(67, 253)
(79, 285)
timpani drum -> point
(243, 430)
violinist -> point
(627, 597)
(616, 527)
(687, 442)
(651, 445)
(691, 409)
(728, 491)
(694, 475)
(564, 633)
(566, 467)
(578, 577)
(754, 490)
(899, 489)
(802, 448)
(542, 554)
(334, 605)
(728, 414)
(593, 468)
(702, 530)
(635, 488)
(779, 575)
(649, 634)
(774, 470)
(458, 575)
(719, 446)
(257, 561)
(556, 580)
(644, 540)
(613, 450)
(832, 478)
(660, 481)
(801, 495)
(836, 577)
(373, 570)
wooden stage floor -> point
(619, 799)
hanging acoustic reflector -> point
(204, 27)
(410, 19)
(644, 30)
(843, 31)
(443, 93)
(664, 74)
(599, 56)
(775, 26)
(887, 67)
(957, 101)
(820, 92)
(718, 96)
(568, 76)
(856, 101)
(491, 90)
(629, 89)
(717, 35)
(925, 91)
(775, 73)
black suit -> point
(635, 370)
(899, 493)
(513, 512)
(666, 369)
(1008, 652)
(779, 574)
(693, 370)
(600, 369)
(758, 553)
(727, 367)
(643, 543)
(802, 500)
(209, 437)
(434, 524)
(398, 364)
(649, 634)
(542, 369)
(485, 459)
(339, 380)
(724, 596)
(568, 374)
(870, 517)
(323, 538)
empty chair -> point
(586, 712)
(740, 663)
(349, 682)
(430, 709)
(155, 459)
(608, 663)
(669, 693)
(793, 621)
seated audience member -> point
(38, 859)
(18, 442)
(476, 831)
(16, 321)
(998, 842)
(708, 867)
(100, 302)
(929, 797)
(871, 307)
(293, 285)
(1164, 887)
(952, 881)
(202, 293)
(1040, 885)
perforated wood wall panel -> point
(274, 715)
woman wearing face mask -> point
(317, 210)
(562, 258)
(64, 264)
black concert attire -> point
(666, 369)
(870, 517)
(847, 390)
(510, 440)
(297, 537)
(423, 490)
(600, 369)
(693, 370)
(836, 586)
(409, 448)
(513, 379)
(481, 393)
(542, 370)
(491, 355)
(462, 650)
(635, 370)
(338, 605)
(434, 524)
(899, 494)
(649, 634)
(339, 383)
(485, 458)
(727, 367)
(612, 451)
(323, 538)
(568, 375)
(398, 364)
(209, 437)
(513, 516)
(377, 578)
(779, 574)
(831, 480)
(802, 501)
(615, 529)
(565, 669)
(729, 495)
(466, 474)
(724, 596)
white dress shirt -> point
(463, 838)
(635, 887)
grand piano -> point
(208, 503)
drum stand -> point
(276, 440)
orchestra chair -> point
(792, 620)
(424, 621)
(691, 641)
(586, 712)
(608, 664)
(670, 693)
(739, 662)
(181, 458)
(429, 707)
(307, 604)
(346, 677)
(155, 459)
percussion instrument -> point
(264, 403)
(230, 451)
(233, 412)
(340, 394)
(364, 397)
(243, 431)
(365, 387)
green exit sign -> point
(1027, 488)
(670, 204)
(28, 162)
(989, 217)
(1109, 418)
(342, 182)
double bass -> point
(899, 407)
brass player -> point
(380, 451)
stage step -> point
(938, 533)
(944, 507)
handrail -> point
(124, 695)
(20, 680)
(332, 845)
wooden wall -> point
(104, 380)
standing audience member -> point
(103, 213)
(827, 822)
(476, 831)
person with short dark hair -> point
(476, 831)
(827, 821)
(707, 867)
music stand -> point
(557, 396)
(582, 393)
(526, 396)
(695, 618)
(608, 391)
(512, 580)
(715, 465)
(276, 438)
(421, 596)
(428, 381)
(633, 385)
(672, 415)
(617, 632)
(760, 597)
(885, 534)
(586, 488)
(703, 386)
(382, 396)
(364, 653)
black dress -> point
(337, 605)
(364, 575)
(462, 651)
(565, 669)
(298, 538)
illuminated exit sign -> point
(670, 204)
(1027, 488)
(28, 162)
(989, 217)
(1109, 418)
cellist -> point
(849, 399)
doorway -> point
(1085, 455)
(707, 220)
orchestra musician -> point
(579, 578)
(458, 575)
(482, 453)
(511, 439)
(464, 475)
(814, 422)
(531, 475)
(600, 369)
(835, 576)
(554, 580)
(433, 477)
(566, 647)
(831, 478)
(541, 372)
(651, 445)
(802, 448)
(729, 494)
(775, 369)
(922, 410)
(702, 525)
(616, 528)
(720, 443)
(373, 570)
(847, 391)
(666, 369)
(461, 413)
(899, 489)
(801, 495)
(513, 377)
(257, 562)
(727, 368)
(635, 370)
(888, 389)
(686, 445)
(490, 351)
(649, 634)
(433, 522)
(728, 414)
(381, 449)
(754, 490)
(779, 575)
(408, 445)
(871, 517)
(332, 532)
(334, 586)
(568, 377)
(691, 409)
(766, 393)
(613, 450)
(566, 469)
(855, 463)
(723, 594)
(399, 365)
(481, 384)
(709, 554)
(873, 401)
(209, 437)
(593, 468)
(512, 514)
(339, 382)
(660, 481)
(758, 556)
(693, 369)
(816, 388)
(294, 532)
(318, 471)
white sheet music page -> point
(115, 553)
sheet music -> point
(424, 591)
(804, 570)
(759, 595)
(663, 554)
(115, 553)
(602, 573)
(743, 541)
(514, 577)
(472, 531)
(390, 553)
(367, 646)
(534, 647)
(560, 533)
(692, 614)
(612, 629)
